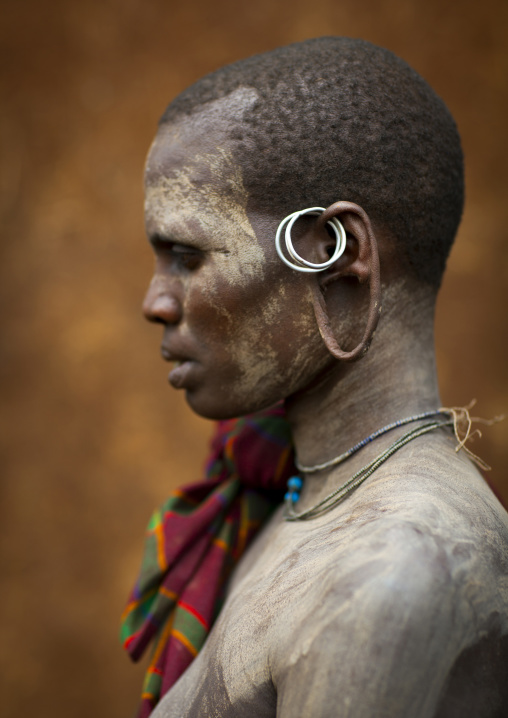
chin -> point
(225, 407)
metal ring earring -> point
(300, 264)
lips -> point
(182, 366)
(179, 376)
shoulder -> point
(426, 563)
(440, 496)
(425, 533)
(440, 529)
(407, 594)
(406, 576)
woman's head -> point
(316, 122)
(237, 323)
(338, 118)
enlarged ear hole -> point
(330, 249)
(330, 232)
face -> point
(238, 326)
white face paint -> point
(237, 322)
(215, 207)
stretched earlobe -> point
(370, 250)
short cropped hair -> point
(341, 119)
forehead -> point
(194, 191)
(198, 141)
(190, 166)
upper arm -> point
(383, 647)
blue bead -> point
(292, 496)
(295, 482)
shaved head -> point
(341, 119)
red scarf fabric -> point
(194, 541)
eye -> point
(186, 257)
(180, 256)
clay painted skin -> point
(218, 290)
(393, 604)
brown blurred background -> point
(92, 436)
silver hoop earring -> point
(301, 264)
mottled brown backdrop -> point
(92, 436)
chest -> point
(277, 588)
(349, 563)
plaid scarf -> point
(195, 539)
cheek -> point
(270, 344)
(258, 336)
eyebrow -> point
(159, 239)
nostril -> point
(154, 319)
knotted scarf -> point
(195, 539)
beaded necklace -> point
(342, 457)
(295, 483)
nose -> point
(161, 303)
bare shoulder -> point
(395, 604)
(434, 536)
(440, 496)
(415, 593)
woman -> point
(288, 197)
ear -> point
(360, 259)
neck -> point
(396, 379)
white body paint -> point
(368, 610)
(395, 604)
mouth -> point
(178, 375)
